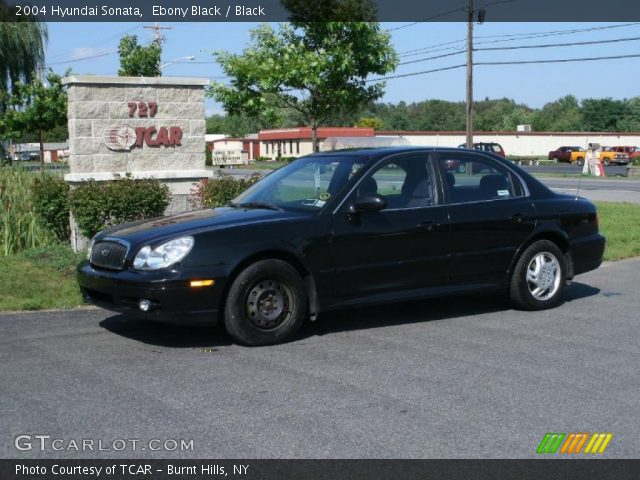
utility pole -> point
(157, 29)
(470, 74)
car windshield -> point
(306, 184)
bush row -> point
(99, 205)
(95, 205)
(35, 208)
(219, 191)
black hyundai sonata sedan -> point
(348, 228)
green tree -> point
(370, 122)
(38, 106)
(630, 122)
(22, 43)
(562, 115)
(310, 67)
(602, 115)
(520, 115)
(139, 60)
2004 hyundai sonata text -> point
(348, 228)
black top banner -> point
(320, 10)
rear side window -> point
(471, 179)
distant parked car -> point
(633, 152)
(609, 155)
(565, 153)
(27, 157)
(487, 147)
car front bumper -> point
(172, 298)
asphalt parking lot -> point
(465, 377)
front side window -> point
(404, 183)
(471, 179)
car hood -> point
(149, 231)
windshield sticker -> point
(503, 193)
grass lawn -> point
(620, 223)
(39, 278)
(45, 277)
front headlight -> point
(164, 255)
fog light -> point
(144, 305)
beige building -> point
(517, 143)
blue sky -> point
(533, 85)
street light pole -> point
(190, 57)
(470, 74)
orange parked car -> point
(610, 156)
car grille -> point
(109, 255)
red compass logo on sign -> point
(119, 138)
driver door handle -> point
(427, 225)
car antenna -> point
(579, 182)
(586, 159)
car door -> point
(490, 216)
(399, 248)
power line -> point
(444, 14)
(432, 58)
(517, 62)
(549, 45)
(545, 45)
(434, 17)
(453, 67)
(561, 60)
(90, 57)
(512, 37)
(99, 42)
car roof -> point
(379, 152)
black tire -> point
(279, 307)
(607, 162)
(580, 161)
(551, 285)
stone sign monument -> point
(146, 127)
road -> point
(597, 189)
(565, 168)
(466, 377)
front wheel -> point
(539, 277)
(607, 162)
(580, 161)
(266, 303)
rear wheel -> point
(266, 304)
(580, 161)
(538, 280)
(607, 162)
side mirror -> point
(368, 203)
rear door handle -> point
(518, 218)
